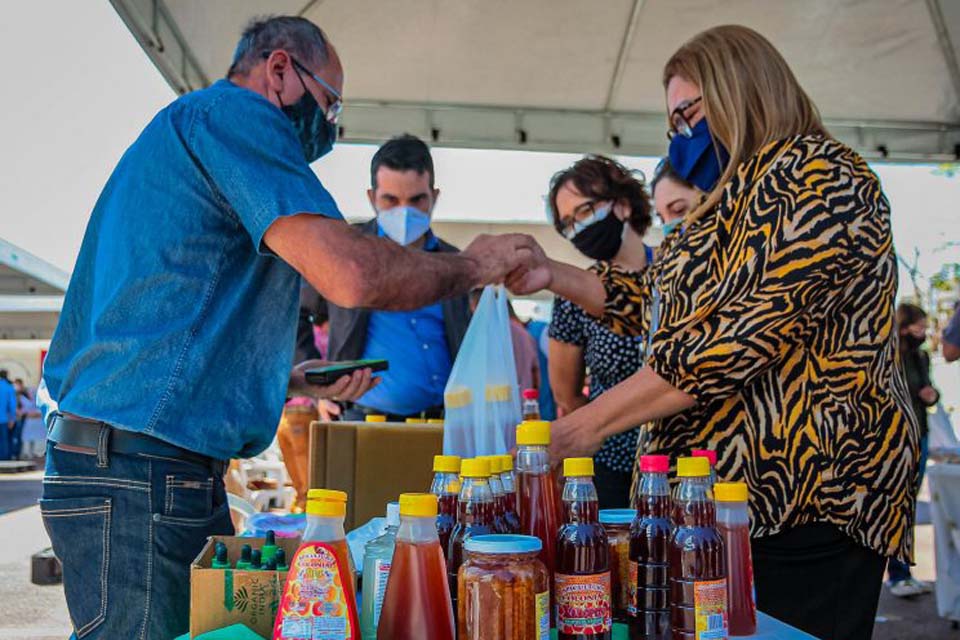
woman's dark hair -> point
(665, 171)
(602, 178)
(908, 314)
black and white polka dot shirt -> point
(610, 358)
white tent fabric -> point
(31, 294)
(572, 75)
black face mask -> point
(913, 342)
(601, 240)
(316, 133)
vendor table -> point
(767, 629)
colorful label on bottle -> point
(381, 571)
(316, 604)
(710, 609)
(543, 615)
(632, 576)
(583, 603)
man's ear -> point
(278, 63)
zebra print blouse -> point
(777, 315)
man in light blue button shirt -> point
(174, 345)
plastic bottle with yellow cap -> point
(446, 486)
(538, 498)
(326, 509)
(733, 521)
(418, 580)
(506, 519)
(475, 515)
(508, 481)
(582, 583)
(374, 417)
(696, 554)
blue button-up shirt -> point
(8, 404)
(415, 343)
(178, 322)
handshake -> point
(513, 259)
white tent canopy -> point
(569, 75)
(31, 294)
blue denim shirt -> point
(415, 343)
(178, 322)
(8, 403)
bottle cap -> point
(531, 394)
(654, 464)
(270, 538)
(693, 467)
(457, 398)
(446, 464)
(245, 552)
(506, 462)
(281, 558)
(420, 505)
(533, 432)
(503, 543)
(270, 565)
(475, 468)
(496, 465)
(326, 508)
(435, 421)
(255, 559)
(730, 492)
(327, 495)
(577, 467)
(414, 421)
(393, 514)
(375, 418)
(709, 454)
(617, 516)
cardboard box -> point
(373, 462)
(222, 597)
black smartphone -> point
(325, 376)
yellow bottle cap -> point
(415, 421)
(420, 505)
(498, 393)
(435, 421)
(693, 467)
(446, 464)
(375, 418)
(457, 398)
(730, 492)
(475, 468)
(533, 432)
(506, 462)
(495, 465)
(577, 467)
(327, 495)
(326, 508)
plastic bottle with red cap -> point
(649, 566)
(710, 455)
(531, 404)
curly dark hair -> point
(603, 178)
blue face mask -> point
(315, 132)
(403, 225)
(698, 159)
(668, 227)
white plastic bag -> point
(482, 398)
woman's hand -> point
(574, 436)
(535, 274)
(346, 389)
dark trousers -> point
(15, 439)
(819, 580)
(613, 487)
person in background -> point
(215, 211)
(8, 413)
(420, 344)
(16, 435)
(950, 337)
(673, 197)
(912, 328)
(540, 331)
(603, 209)
(33, 434)
(524, 353)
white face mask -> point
(403, 225)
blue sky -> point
(80, 89)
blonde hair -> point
(750, 96)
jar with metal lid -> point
(616, 522)
(503, 589)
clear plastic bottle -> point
(475, 516)
(377, 560)
(536, 490)
(649, 582)
(509, 482)
(698, 583)
(506, 519)
(733, 521)
(531, 405)
(417, 602)
(326, 510)
(446, 486)
(710, 455)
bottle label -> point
(543, 615)
(381, 571)
(583, 603)
(632, 577)
(710, 609)
(317, 601)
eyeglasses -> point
(334, 99)
(585, 215)
(678, 119)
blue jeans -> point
(897, 570)
(126, 528)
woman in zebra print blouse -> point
(775, 341)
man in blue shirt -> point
(8, 413)
(420, 344)
(174, 345)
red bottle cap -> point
(709, 454)
(654, 464)
(531, 394)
